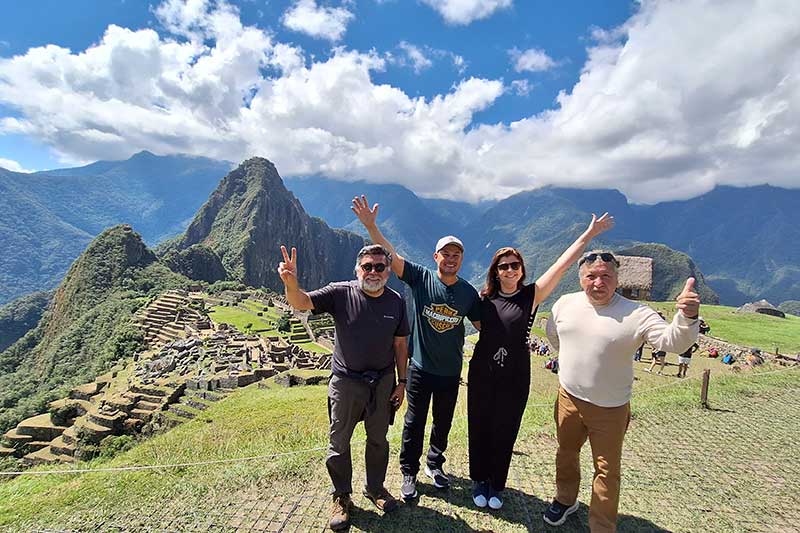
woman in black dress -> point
(500, 369)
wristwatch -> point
(403, 381)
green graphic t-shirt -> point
(437, 345)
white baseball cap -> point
(444, 241)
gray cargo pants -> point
(347, 401)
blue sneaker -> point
(480, 491)
(557, 513)
(495, 499)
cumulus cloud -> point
(678, 100)
(320, 22)
(10, 164)
(521, 87)
(463, 12)
(415, 56)
(531, 60)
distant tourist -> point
(638, 355)
(441, 300)
(685, 359)
(371, 329)
(595, 332)
(659, 357)
(704, 328)
(500, 368)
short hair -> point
(372, 249)
(614, 263)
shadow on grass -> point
(457, 512)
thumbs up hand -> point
(688, 300)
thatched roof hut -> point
(635, 277)
(763, 307)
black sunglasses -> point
(516, 265)
(605, 256)
(369, 267)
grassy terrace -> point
(262, 325)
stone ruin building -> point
(190, 362)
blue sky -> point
(465, 99)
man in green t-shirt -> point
(441, 301)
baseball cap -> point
(444, 241)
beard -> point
(371, 286)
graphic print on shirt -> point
(441, 317)
(500, 356)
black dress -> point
(498, 384)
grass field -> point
(748, 329)
(239, 318)
(729, 469)
(257, 422)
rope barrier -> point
(310, 450)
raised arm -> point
(368, 217)
(550, 279)
(287, 270)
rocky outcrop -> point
(251, 214)
(198, 262)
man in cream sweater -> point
(596, 332)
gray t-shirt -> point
(365, 326)
(438, 341)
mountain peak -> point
(251, 214)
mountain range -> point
(742, 239)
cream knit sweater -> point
(596, 344)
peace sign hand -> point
(287, 269)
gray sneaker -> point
(408, 490)
(440, 479)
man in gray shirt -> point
(371, 329)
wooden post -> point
(704, 389)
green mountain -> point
(247, 218)
(86, 328)
(49, 217)
(21, 315)
(670, 271)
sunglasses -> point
(516, 265)
(377, 267)
(604, 256)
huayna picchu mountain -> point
(87, 326)
(250, 215)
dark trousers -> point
(423, 387)
(347, 402)
(495, 405)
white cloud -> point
(330, 23)
(531, 60)
(463, 12)
(13, 166)
(521, 87)
(415, 56)
(684, 98)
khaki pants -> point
(577, 420)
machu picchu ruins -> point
(190, 359)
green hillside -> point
(87, 327)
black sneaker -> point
(440, 479)
(408, 490)
(557, 513)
